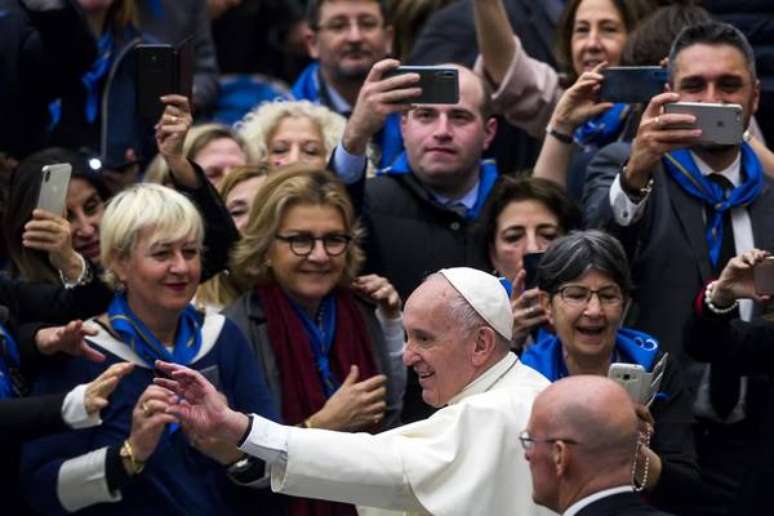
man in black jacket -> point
(581, 442)
(422, 213)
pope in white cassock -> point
(463, 460)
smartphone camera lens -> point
(627, 377)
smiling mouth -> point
(424, 376)
(591, 332)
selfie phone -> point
(631, 377)
(641, 385)
(530, 263)
(721, 124)
(162, 70)
(763, 276)
(53, 187)
(439, 84)
(632, 84)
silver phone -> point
(720, 124)
(53, 187)
(641, 385)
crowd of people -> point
(303, 290)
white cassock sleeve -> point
(463, 460)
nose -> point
(83, 226)
(442, 128)
(594, 40)
(409, 356)
(593, 307)
(712, 94)
(318, 253)
(179, 264)
(532, 245)
(294, 155)
(354, 32)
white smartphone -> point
(632, 377)
(721, 124)
(53, 187)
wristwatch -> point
(636, 194)
(127, 455)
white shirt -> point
(585, 502)
(449, 464)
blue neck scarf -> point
(631, 346)
(603, 128)
(487, 178)
(136, 335)
(97, 71)
(389, 139)
(321, 339)
(681, 166)
(9, 358)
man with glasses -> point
(463, 460)
(580, 442)
(347, 38)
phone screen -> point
(530, 263)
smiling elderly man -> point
(463, 460)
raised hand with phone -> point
(747, 276)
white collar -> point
(585, 502)
(733, 172)
(340, 105)
(469, 199)
(487, 379)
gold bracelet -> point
(127, 453)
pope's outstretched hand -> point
(199, 405)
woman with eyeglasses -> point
(330, 343)
(585, 285)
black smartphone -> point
(632, 84)
(162, 70)
(530, 263)
(439, 84)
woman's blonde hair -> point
(259, 125)
(292, 186)
(198, 137)
(220, 290)
(142, 206)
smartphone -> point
(632, 377)
(53, 187)
(721, 124)
(439, 84)
(162, 69)
(530, 263)
(632, 84)
(763, 276)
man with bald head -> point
(580, 442)
(463, 460)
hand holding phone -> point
(641, 385)
(763, 275)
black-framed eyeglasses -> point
(578, 295)
(527, 441)
(303, 244)
(338, 26)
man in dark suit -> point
(580, 442)
(682, 209)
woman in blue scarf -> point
(585, 286)
(139, 460)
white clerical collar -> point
(733, 172)
(584, 502)
(468, 200)
(487, 379)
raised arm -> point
(495, 38)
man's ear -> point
(560, 456)
(490, 131)
(485, 341)
(311, 41)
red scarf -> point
(302, 391)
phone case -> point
(632, 377)
(440, 85)
(721, 124)
(54, 180)
(632, 84)
(763, 275)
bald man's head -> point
(593, 428)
